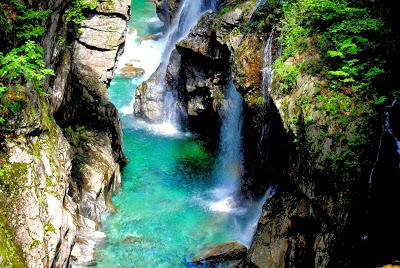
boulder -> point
(228, 254)
(131, 71)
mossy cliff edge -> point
(61, 150)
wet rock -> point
(118, 8)
(228, 254)
(131, 71)
(149, 103)
(285, 234)
(166, 10)
(153, 37)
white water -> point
(228, 167)
(185, 19)
(145, 54)
(387, 127)
(246, 231)
(391, 132)
(398, 149)
(154, 56)
(266, 79)
(267, 65)
(228, 171)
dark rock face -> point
(166, 10)
(285, 234)
(228, 254)
(203, 76)
(380, 230)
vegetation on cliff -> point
(21, 57)
(342, 46)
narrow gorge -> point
(199, 133)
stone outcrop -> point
(197, 73)
(34, 192)
(63, 154)
(228, 254)
(166, 10)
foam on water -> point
(144, 54)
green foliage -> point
(24, 64)
(286, 74)
(4, 170)
(254, 97)
(22, 23)
(340, 43)
(345, 35)
(21, 57)
(76, 11)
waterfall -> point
(246, 232)
(228, 167)
(266, 80)
(386, 128)
(185, 19)
(259, 4)
(267, 65)
(391, 132)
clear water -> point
(167, 210)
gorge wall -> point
(335, 190)
(62, 151)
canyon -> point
(168, 135)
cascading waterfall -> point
(391, 132)
(266, 79)
(168, 180)
(186, 18)
(386, 127)
(139, 49)
(267, 65)
(228, 167)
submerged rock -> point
(227, 254)
(131, 71)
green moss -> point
(10, 254)
(49, 228)
(35, 244)
(15, 177)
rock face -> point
(63, 156)
(197, 73)
(228, 254)
(166, 10)
(35, 196)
